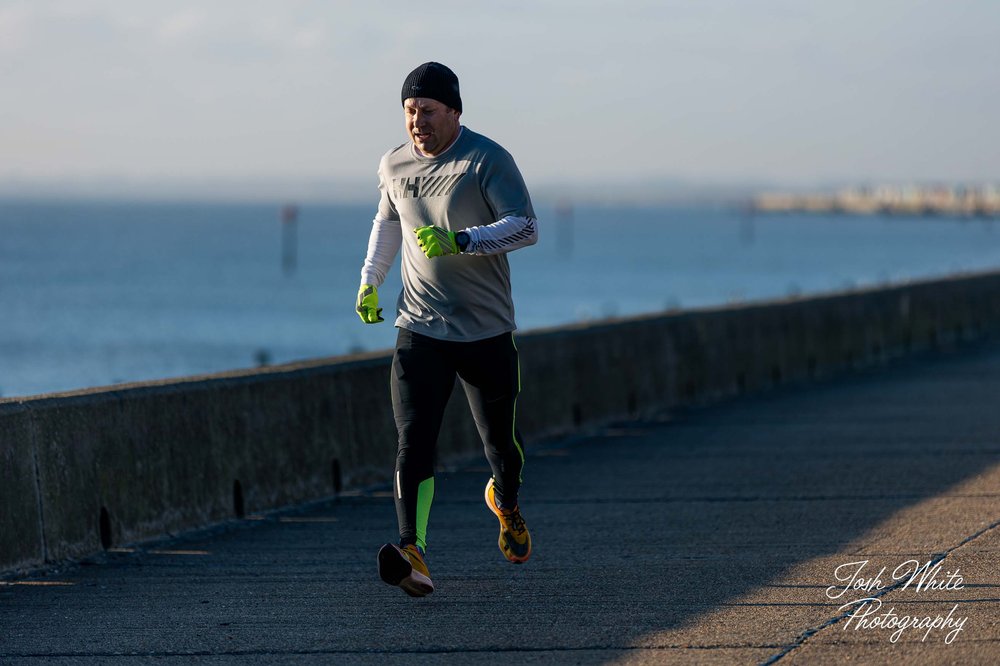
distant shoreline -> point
(983, 202)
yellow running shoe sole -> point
(395, 568)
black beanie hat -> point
(434, 81)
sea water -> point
(95, 293)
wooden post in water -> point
(289, 238)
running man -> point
(456, 203)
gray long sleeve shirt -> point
(473, 186)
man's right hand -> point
(367, 307)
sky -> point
(301, 97)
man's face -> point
(430, 124)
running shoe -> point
(514, 541)
(405, 568)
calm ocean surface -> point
(100, 293)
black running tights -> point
(423, 376)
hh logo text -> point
(425, 186)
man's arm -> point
(506, 235)
(383, 244)
(507, 196)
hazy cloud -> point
(717, 91)
(183, 26)
(15, 26)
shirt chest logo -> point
(417, 187)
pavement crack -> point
(809, 633)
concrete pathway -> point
(714, 537)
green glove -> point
(436, 241)
(368, 308)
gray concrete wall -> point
(83, 470)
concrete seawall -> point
(85, 470)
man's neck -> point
(446, 148)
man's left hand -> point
(436, 241)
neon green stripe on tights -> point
(425, 495)
(513, 423)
